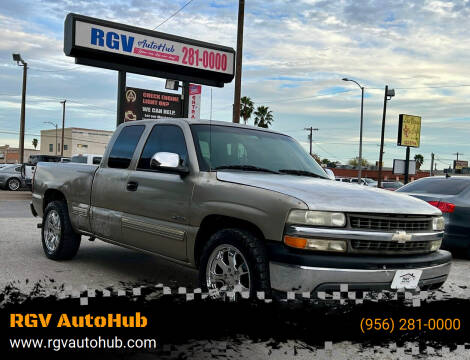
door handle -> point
(132, 186)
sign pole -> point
(185, 96)
(407, 164)
(238, 63)
(121, 94)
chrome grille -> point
(390, 223)
(393, 246)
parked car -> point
(365, 181)
(247, 206)
(451, 195)
(11, 178)
(34, 159)
(90, 159)
(391, 185)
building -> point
(11, 155)
(373, 173)
(76, 141)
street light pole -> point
(359, 175)
(18, 59)
(387, 96)
(63, 125)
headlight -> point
(435, 245)
(438, 223)
(316, 244)
(317, 218)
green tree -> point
(35, 143)
(246, 108)
(263, 116)
(419, 161)
(355, 162)
(325, 161)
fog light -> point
(316, 244)
(435, 245)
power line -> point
(172, 15)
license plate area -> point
(406, 279)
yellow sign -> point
(409, 130)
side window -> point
(121, 154)
(96, 160)
(18, 169)
(163, 138)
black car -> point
(451, 195)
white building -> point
(76, 141)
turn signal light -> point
(445, 207)
(296, 242)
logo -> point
(130, 116)
(111, 40)
(402, 237)
(131, 96)
(407, 278)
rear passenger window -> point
(163, 138)
(96, 160)
(121, 154)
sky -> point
(295, 55)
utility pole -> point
(63, 125)
(238, 65)
(310, 136)
(432, 164)
(18, 59)
(457, 153)
(121, 95)
(387, 96)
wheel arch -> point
(52, 195)
(213, 223)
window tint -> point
(124, 147)
(442, 186)
(163, 138)
(78, 159)
(96, 160)
(18, 169)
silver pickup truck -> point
(248, 207)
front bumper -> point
(292, 270)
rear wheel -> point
(59, 240)
(13, 184)
(234, 259)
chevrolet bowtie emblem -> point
(401, 237)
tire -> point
(13, 184)
(59, 240)
(248, 253)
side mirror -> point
(170, 162)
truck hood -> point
(329, 195)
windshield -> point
(442, 186)
(251, 150)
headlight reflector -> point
(438, 223)
(317, 218)
(435, 245)
(316, 244)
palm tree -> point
(419, 160)
(246, 108)
(35, 143)
(263, 116)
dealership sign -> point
(409, 130)
(140, 104)
(460, 164)
(116, 46)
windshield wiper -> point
(245, 168)
(300, 173)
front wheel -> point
(59, 240)
(14, 184)
(235, 259)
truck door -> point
(110, 183)
(158, 203)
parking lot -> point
(99, 264)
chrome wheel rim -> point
(227, 269)
(52, 230)
(14, 184)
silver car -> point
(11, 178)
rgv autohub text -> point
(35, 320)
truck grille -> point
(392, 246)
(390, 223)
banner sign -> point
(117, 46)
(140, 104)
(194, 112)
(460, 164)
(409, 130)
(399, 167)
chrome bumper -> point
(288, 277)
